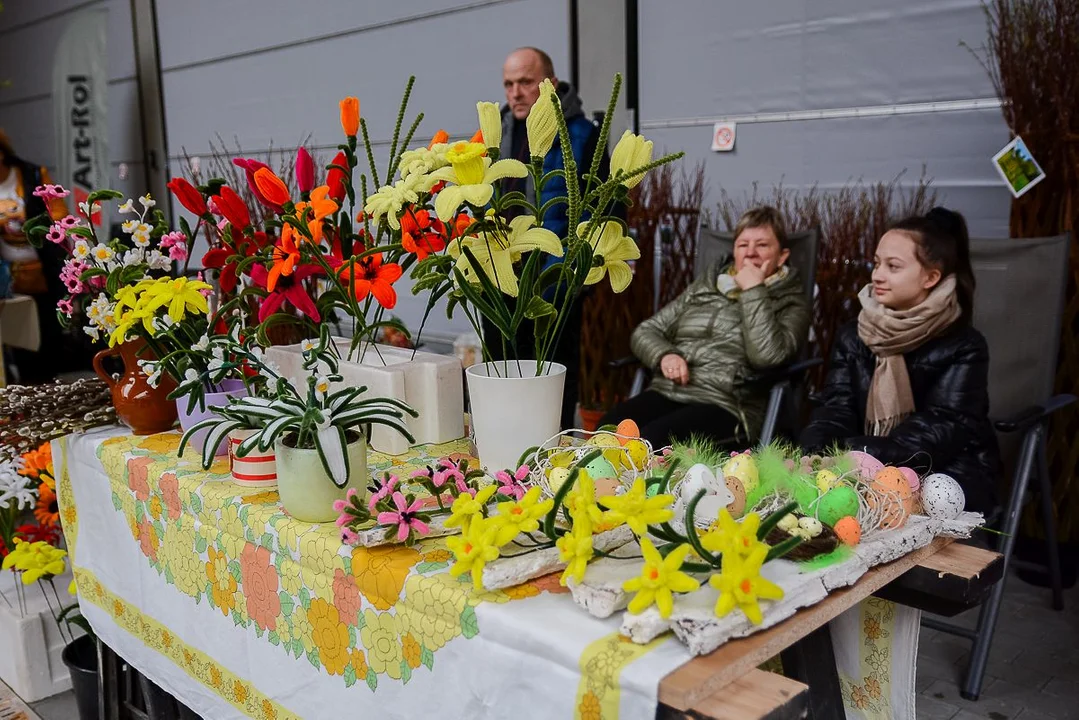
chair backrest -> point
(713, 245)
(1018, 307)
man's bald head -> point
(522, 73)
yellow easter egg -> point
(557, 477)
(634, 455)
(826, 480)
(743, 467)
(627, 429)
(603, 440)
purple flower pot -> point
(228, 388)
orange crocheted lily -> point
(271, 186)
(314, 212)
(285, 258)
(370, 276)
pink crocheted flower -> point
(512, 485)
(384, 489)
(404, 517)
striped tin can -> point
(257, 468)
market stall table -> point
(212, 592)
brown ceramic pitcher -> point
(144, 409)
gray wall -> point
(701, 60)
(29, 32)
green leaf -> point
(305, 598)
(406, 672)
(168, 577)
(469, 625)
(426, 567)
(372, 679)
(243, 513)
(538, 307)
(100, 195)
(234, 569)
(196, 503)
(236, 619)
(427, 658)
(116, 501)
(352, 636)
(361, 622)
(267, 541)
(198, 598)
(286, 603)
(350, 676)
(140, 513)
(259, 631)
(274, 638)
(312, 657)
(210, 595)
(200, 545)
(297, 648)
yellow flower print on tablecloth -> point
(302, 629)
(291, 580)
(288, 533)
(160, 444)
(181, 560)
(230, 523)
(435, 556)
(330, 636)
(222, 583)
(319, 557)
(258, 518)
(239, 692)
(380, 573)
(216, 492)
(259, 578)
(380, 637)
(268, 711)
(155, 507)
(410, 650)
(431, 610)
(589, 709)
(359, 663)
(522, 591)
(346, 597)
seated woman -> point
(908, 382)
(740, 317)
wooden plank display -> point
(757, 695)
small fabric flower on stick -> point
(636, 509)
(520, 516)
(660, 578)
(473, 550)
(741, 585)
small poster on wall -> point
(1018, 167)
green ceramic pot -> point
(307, 492)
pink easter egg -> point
(868, 466)
(912, 478)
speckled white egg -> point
(942, 497)
(811, 526)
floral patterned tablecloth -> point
(213, 592)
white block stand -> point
(30, 645)
(431, 384)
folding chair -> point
(713, 246)
(1021, 288)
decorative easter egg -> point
(607, 486)
(601, 468)
(700, 477)
(603, 440)
(890, 491)
(743, 467)
(848, 530)
(912, 478)
(868, 466)
(788, 522)
(826, 480)
(942, 497)
(799, 532)
(737, 506)
(627, 429)
(634, 455)
(811, 526)
(557, 477)
(841, 501)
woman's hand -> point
(674, 368)
(749, 276)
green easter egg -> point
(839, 502)
(601, 467)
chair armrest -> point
(627, 361)
(787, 372)
(1033, 414)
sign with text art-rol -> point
(80, 92)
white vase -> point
(513, 409)
(306, 490)
(256, 469)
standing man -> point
(522, 73)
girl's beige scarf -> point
(890, 334)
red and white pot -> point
(257, 468)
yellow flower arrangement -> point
(473, 549)
(660, 578)
(614, 248)
(497, 251)
(470, 178)
(727, 535)
(36, 560)
(575, 549)
(741, 585)
(521, 516)
(466, 507)
(636, 509)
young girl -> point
(908, 382)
